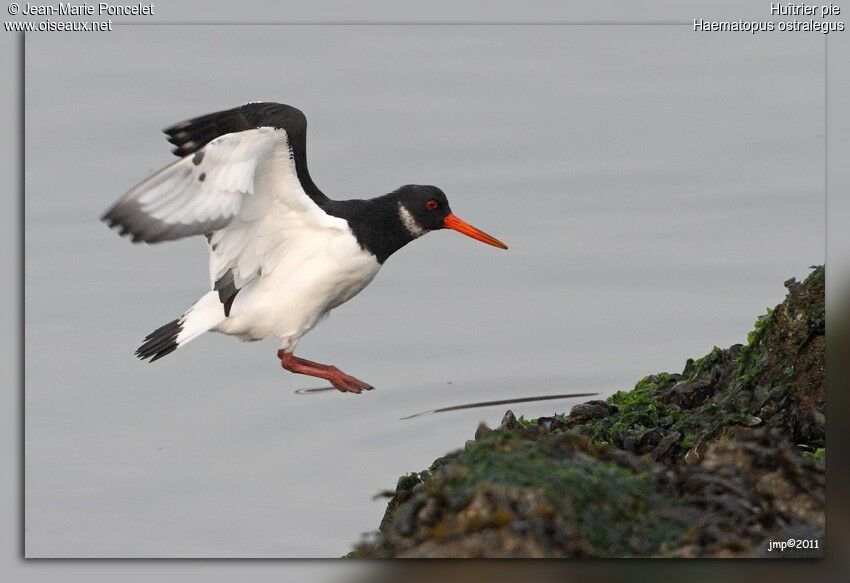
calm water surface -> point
(655, 187)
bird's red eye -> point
(431, 204)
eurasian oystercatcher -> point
(282, 254)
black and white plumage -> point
(282, 254)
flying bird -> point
(282, 254)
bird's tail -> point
(204, 315)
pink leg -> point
(340, 380)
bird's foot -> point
(347, 383)
(340, 380)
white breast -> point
(308, 280)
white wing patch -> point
(241, 189)
(269, 224)
(199, 193)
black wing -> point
(190, 136)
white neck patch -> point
(409, 222)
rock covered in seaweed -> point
(713, 461)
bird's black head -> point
(424, 208)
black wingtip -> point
(160, 342)
(191, 135)
(116, 220)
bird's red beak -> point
(456, 224)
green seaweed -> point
(618, 511)
(819, 455)
(762, 322)
(636, 411)
(757, 368)
(695, 368)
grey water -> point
(655, 187)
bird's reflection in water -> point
(469, 405)
(500, 402)
(311, 391)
